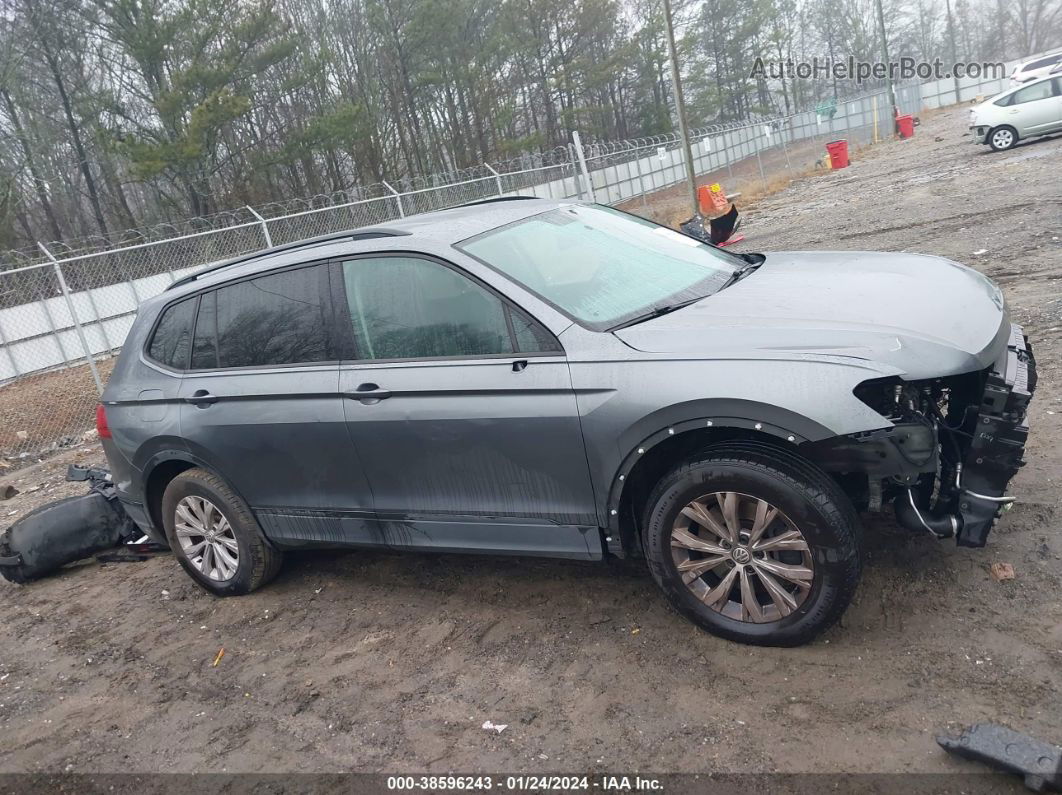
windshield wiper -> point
(742, 272)
(656, 312)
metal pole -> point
(73, 316)
(497, 177)
(759, 161)
(398, 199)
(885, 60)
(680, 111)
(265, 226)
(641, 179)
(99, 319)
(588, 186)
(951, 35)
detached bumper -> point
(980, 133)
(997, 449)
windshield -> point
(603, 267)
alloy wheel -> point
(742, 557)
(1002, 139)
(206, 538)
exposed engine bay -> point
(954, 445)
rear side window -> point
(412, 308)
(282, 318)
(205, 349)
(173, 335)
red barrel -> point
(906, 126)
(838, 153)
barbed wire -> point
(509, 169)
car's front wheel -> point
(1002, 138)
(215, 536)
(753, 544)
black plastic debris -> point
(67, 530)
(1038, 762)
(718, 230)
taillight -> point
(102, 428)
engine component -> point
(909, 515)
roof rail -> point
(359, 234)
(494, 199)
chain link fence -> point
(65, 309)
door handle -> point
(519, 365)
(369, 394)
(201, 398)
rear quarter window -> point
(172, 339)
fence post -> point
(398, 198)
(588, 186)
(641, 179)
(497, 177)
(265, 227)
(73, 316)
(759, 161)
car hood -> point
(925, 316)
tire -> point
(820, 578)
(1003, 138)
(196, 493)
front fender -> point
(796, 400)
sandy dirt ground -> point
(387, 662)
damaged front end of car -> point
(953, 446)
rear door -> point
(462, 409)
(261, 404)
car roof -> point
(442, 228)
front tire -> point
(753, 544)
(1003, 138)
(215, 536)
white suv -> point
(1031, 70)
(1024, 112)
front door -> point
(261, 406)
(1037, 109)
(463, 412)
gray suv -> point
(563, 379)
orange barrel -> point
(838, 153)
(906, 126)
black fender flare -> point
(788, 427)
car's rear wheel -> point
(753, 544)
(215, 536)
(1002, 138)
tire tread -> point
(803, 477)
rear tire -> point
(1003, 138)
(215, 536)
(774, 559)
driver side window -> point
(411, 308)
